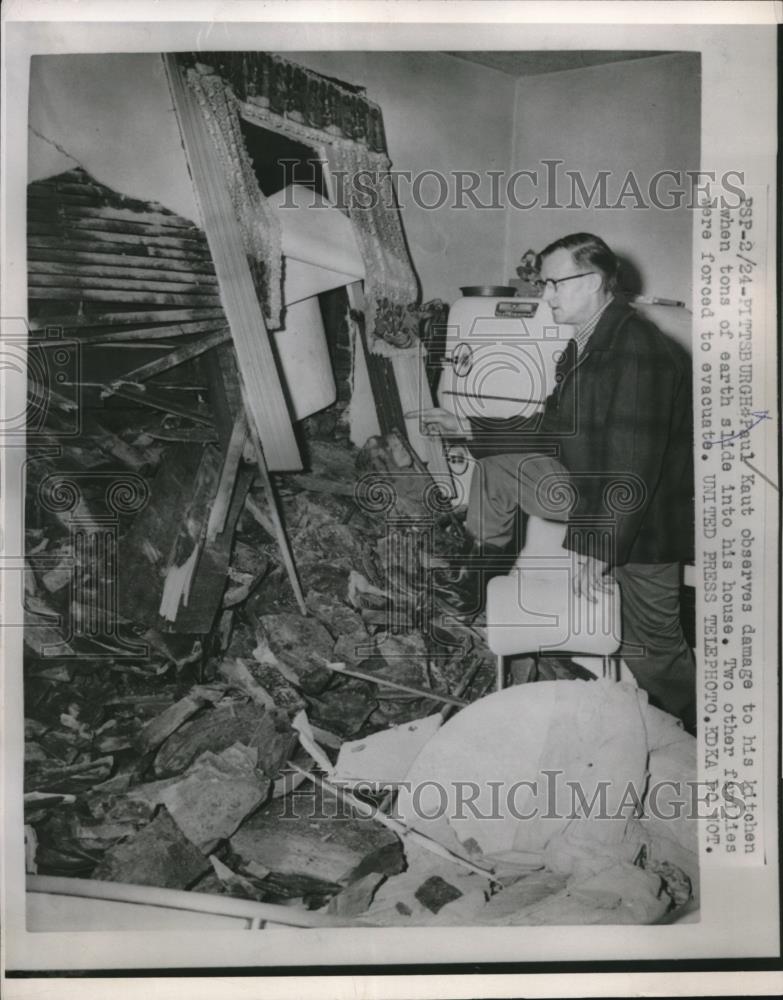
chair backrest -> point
(534, 609)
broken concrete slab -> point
(237, 672)
(301, 645)
(345, 708)
(163, 725)
(160, 854)
(218, 728)
(356, 897)
(309, 834)
(435, 892)
(335, 615)
(216, 794)
(269, 677)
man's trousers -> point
(653, 643)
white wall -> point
(112, 115)
(642, 116)
(440, 113)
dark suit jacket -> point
(621, 422)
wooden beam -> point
(228, 478)
(277, 520)
(108, 229)
(125, 318)
(266, 404)
(138, 298)
(124, 271)
(131, 245)
(362, 411)
(37, 232)
(139, 334)
(163, 403)
(174, 358)
(118, 283)
(118, 258)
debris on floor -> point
(201, 749)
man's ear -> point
(596, 283)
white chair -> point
(533, 608)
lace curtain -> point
(349, 129)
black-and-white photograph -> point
(396, 476)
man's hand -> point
(437, 422)
(589, 579)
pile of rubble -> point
(172, 768)
(199, 762)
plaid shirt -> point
(582, 335)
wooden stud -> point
(277, 520)
(142, 334)
(228, 478)
(340, 668)
(174, 358)
(264, 399)
(158, 402)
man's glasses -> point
(542, 285)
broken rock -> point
(219, 728)
(307, 834)
(345, 708)
(301, 645)
(217, 793)
(159, 855)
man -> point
(616, 434)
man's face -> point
(573, 302)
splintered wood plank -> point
(206, 593)
(138, 298)
(158, 401)
(177, 357)
(185, 562)
(146, 552)
(114, 243)
(107, 228)
(126, 319)
(40, 269)
(41, 230)
(283, 542)
(264, 397)
(228, 477)
(142, 333)
(118, 258)
(79, 281)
